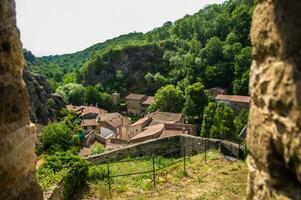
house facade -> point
(137, 104)
(237, 102)
(134, 103)
(113, 125)
(90, 125)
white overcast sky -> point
(51, 27)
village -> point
(115, 130)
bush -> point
(96, 173)
(97, 149)
(67, 167)
(56, 136)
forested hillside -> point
(211, 47)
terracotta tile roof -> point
(139, 97)
(234, 98)
(167, 116)
(90, 109)
(149, 100)
(170, 132)
(114, 119)
(149, 133)
(142, 120)
(89, 122)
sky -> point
(50, 27)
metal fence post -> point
(205, 151)
(184, 159)
(238, 149)
(109, 178)
(154, 171)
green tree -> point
(208, 116)
(154, 82)
(66, 89)
(223, 127)
(168, 99)
(91, 96)
(240, 121)
(56, 136)
(213, 51)
(196, 100)
(76, 96)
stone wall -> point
(160, 146)
(17, 141)
(274, 135)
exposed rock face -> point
(17, 141)
(274, 134)
(134, 62)
(42, 110)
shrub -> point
(67, 167)
(56, 135)
(97, 149)
(96, 173)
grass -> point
(218, 179)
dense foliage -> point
(221, 122)
(77, 94)
(65, 166)
(211, 47)
(61, 136)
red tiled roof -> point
(149, 132)
(114, 119)
(167, 116)
(149, 100)
(90, 109)
(234, 98)
(171, 132)
(142, 120)
(89, 122)
(136, 97)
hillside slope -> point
(218, 179)
(211, 46)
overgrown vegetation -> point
(64, 167)
(61, 136)
(221, 121)
(77, 94)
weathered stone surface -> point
(17, 134)
(39, 95)
(274, 134)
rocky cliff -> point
(133, 62)
(17, 141)
(44, 105)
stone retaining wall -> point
(158, 146)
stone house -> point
(154, 119)
(137, 104)
(134, 103)
(235, 101)
(164, 130)
(147, 103)
(87, 112)
(90, 125)
(113, 125)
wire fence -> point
(176, 154)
